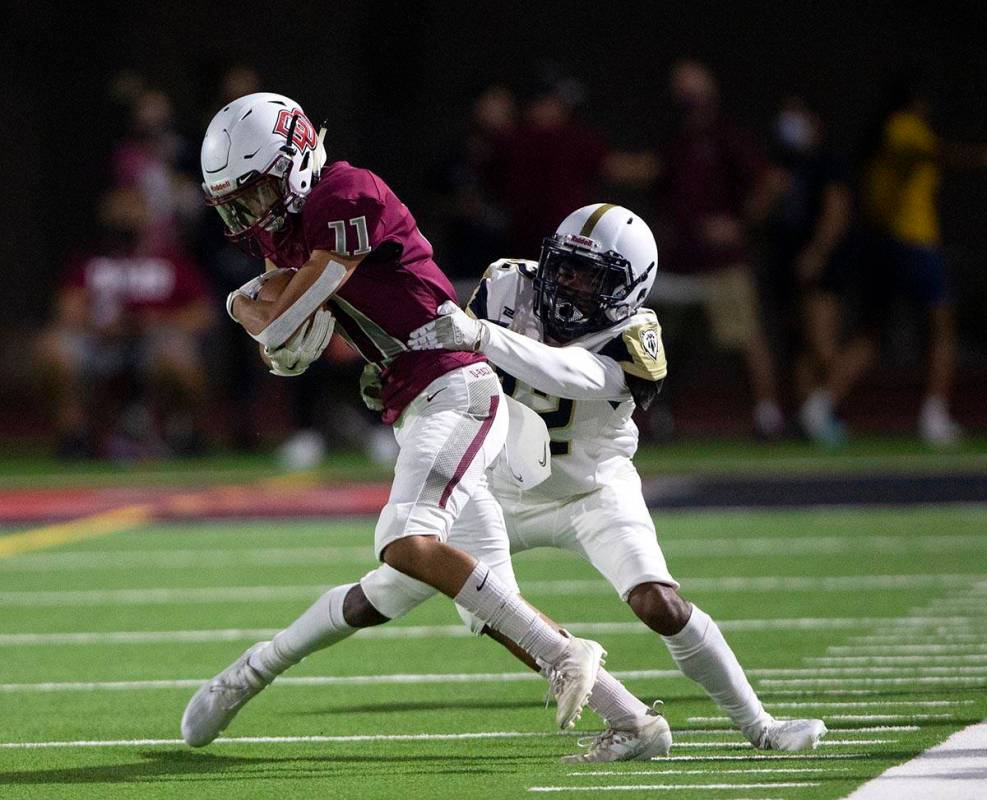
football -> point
(273, 288)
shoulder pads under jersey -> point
(636, 345)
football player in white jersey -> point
(572, 342)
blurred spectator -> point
(808, 204)
(710, 172)
(238, 80)
(903, 161)
(550, 162)
(477, 223)
(149, 158)
(125, 338)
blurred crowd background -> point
(818, 196)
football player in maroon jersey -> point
(361, 264)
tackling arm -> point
(569, 372)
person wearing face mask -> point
(127, 320)
(709, 172)
(808, 207)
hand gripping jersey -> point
(397, 287)
(592, 438)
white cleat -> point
(649, 739)
(791, 735)
(573, 677)
(213, 707)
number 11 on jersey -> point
(362, 236)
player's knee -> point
(660, 607)
(409, 553)
(359, 612)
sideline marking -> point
(953, 770)
(668, 787)
(77, 530)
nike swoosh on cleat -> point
(544, 455)
(428, 398)
(518, 478)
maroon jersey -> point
(120, 285)
(397, 287)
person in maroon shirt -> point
(120, 310)
(355, 253)
(551, 162)
(709, 179)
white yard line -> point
(835, 672)
(908, 649)
(811, 755)
(394, 737)
(854, 677)
(360, 553)
(953, 770)
(959, 658)
(839, 717)
(924, 680)
(847, 729)
(184, 559)
(670, 787)
(592, 586)
(916, 638)
(718, 771)
(403, 632)
(417, 737)
(868, 704)
(773, 691)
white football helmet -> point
(597, 269)
(260, 158)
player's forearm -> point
(273, 323)
(568, 372)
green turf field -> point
(862, 455)
(880, 628)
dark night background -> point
(395, 81)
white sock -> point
(486, 597)
(611, 700)
(321, 626)
(703, 654)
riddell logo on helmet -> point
(304, 136)
(220, 186)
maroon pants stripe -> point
(471, 451)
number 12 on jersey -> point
(362, 236)
(555, 419)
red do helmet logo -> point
(303, 137)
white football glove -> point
(452, 330)
(250, 289)
(294, 356)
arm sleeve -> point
(641, 355)
(568, 372)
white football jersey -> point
(592, 440)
